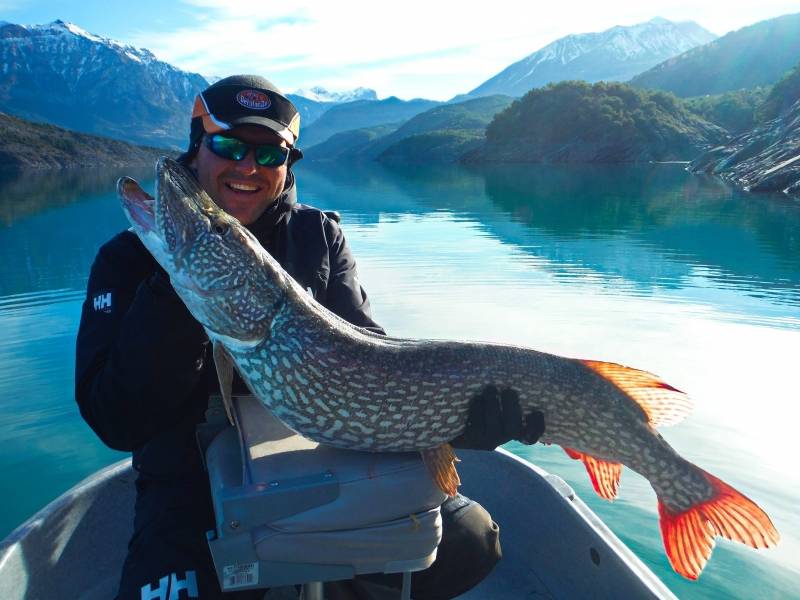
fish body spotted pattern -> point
(335, 384)
(345, 386)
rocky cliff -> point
(764, 159)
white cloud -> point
(10, 5)
(413, 48)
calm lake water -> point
(647, 266)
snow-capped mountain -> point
(316, 101)
(320, 94)
(616, 54)
(58, 73)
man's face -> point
(243, 189)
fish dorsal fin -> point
(662, 403)
(604, 475)
(441, 462)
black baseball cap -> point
(243, 100)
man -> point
(144, 372)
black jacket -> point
(143, 367)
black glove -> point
(495, 417)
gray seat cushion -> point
(373, 487)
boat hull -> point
(553, 544)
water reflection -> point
(643, 265)
(52, 223)
(32, 191)
(738, 239)
(634, 228)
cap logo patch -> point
(253, 99)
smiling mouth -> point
(242, 188)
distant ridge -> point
(616, 54)
(360, 114)
(752, 56)
(35, 145)
(440, 134)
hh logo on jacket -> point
(170, 587)
(102, 302)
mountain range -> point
(314, 102)
(61, 74)
(58, 73)
(753, 56)
(441, 133)
(362, 113)
(616, 54)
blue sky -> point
(415, 48)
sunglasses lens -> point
(227, 147)
(271, 156)
(231, 148)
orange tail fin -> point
(689, 535)
(604, 475)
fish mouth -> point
(138, 204)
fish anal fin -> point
(689, 534)
(441, 463)
(224, 364)
(662, 403)
(604, 474)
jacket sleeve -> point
(139, 352)
(344, 295)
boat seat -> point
(291, 511)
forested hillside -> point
(605, 122)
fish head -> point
(227, 280)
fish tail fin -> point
(688, 534)
(604, 474)
(441, 463)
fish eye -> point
(220, 227)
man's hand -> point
(495, 417)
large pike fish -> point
(342, 385)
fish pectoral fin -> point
(662, 403)
(604, 474)
(688, 534)
(441, 462)
(224, 364)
